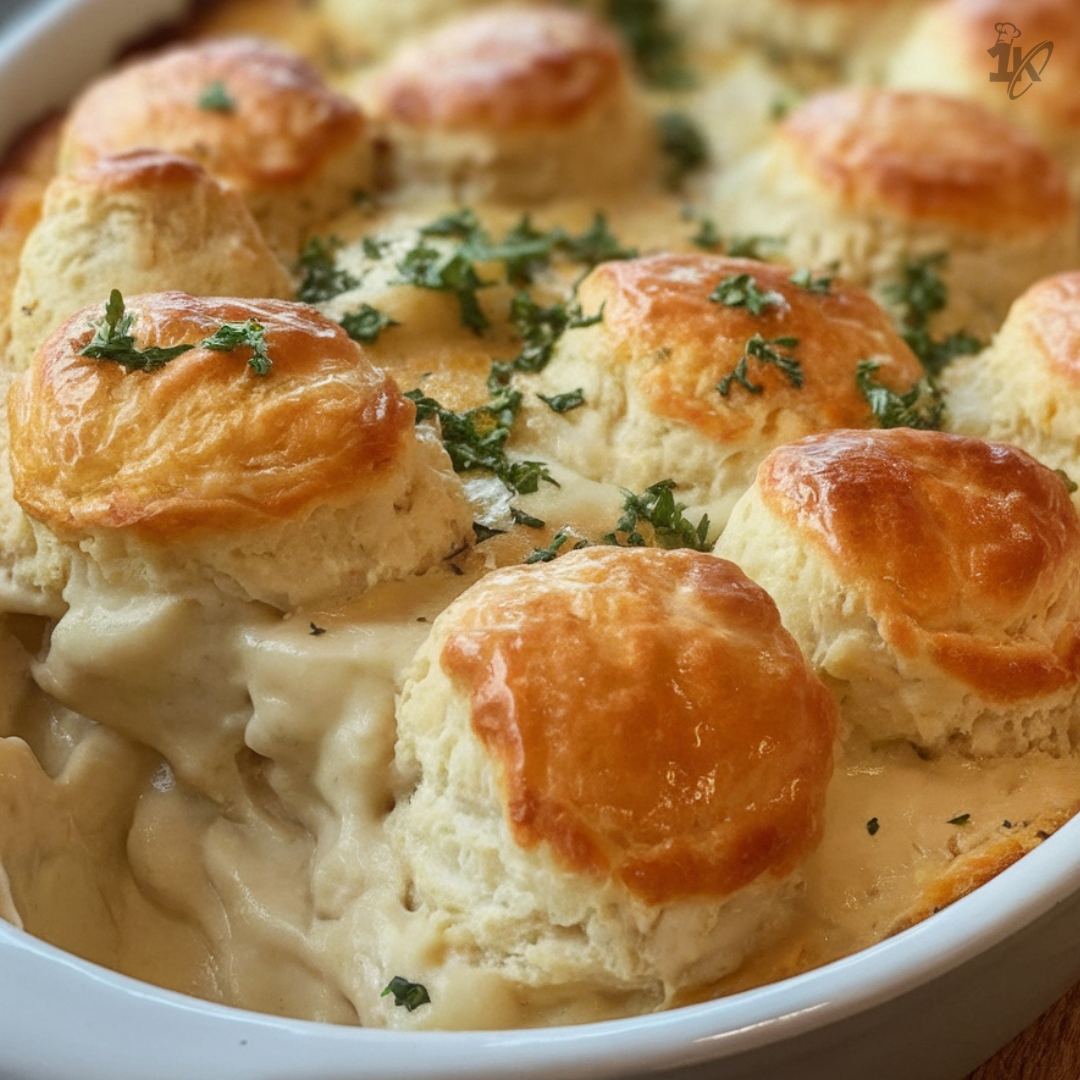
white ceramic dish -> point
(929, 1004)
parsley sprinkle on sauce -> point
(408, 995)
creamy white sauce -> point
(194, 790)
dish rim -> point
(709, 1032)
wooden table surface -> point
(1048, 1050)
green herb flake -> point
(317, 631)
(476, 438)
(374, 248)
(547, 554)
(754, 246)
(765, 352)
(656, 50)
(485, 532)
(366, 324)
(564, 403)
(428, 267)
(320, 277)
(741, 290)
(540, 329)
(684, 145)
(921, 407)
(738, 375)
(918, 294)
(114, 341)
(249, 334)
(960, 819)
(1068, 481)
(656, 507)
(525, 251)
(216, 98)
(519, 517)
(411, 995)
(597, 244)
(872, 826)
(805, 279)
(708, 236)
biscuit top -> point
(203, 442)
(658, 318)
(925, 157)
(1050, 314)
(964, 549)
(503, 70)
(251, 114)
(135, 170)
(699, 757)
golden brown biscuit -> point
(662, 817)
(946, 50)
(934, 580)
(519, 103)
(1025, 388)
(867, 179)
(257, 118)
(307, 483)
(140, 222)
(659, 373)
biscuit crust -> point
(648, 778)
(204, 442)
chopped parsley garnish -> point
(237, 335)
(595, 245)
(429, 267)
(476, 439)
(656, 49)
(462, 224)
(113, 341)
(485, 532)
(215, 98)
(872, 826)
(684, 144)
(708, 236)
(741, 290)
(656, 507)
(754, 246)
(960, 819)
(519, 517)
(548, 553)
(409, 994)
(805, 279)
(320, 277)
(1070, 484)
(919, 294)
(921, 407)
(373, 247)
(764, 352)
(366, 324)
(524, 251)
(540, 329)
(564, 403)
